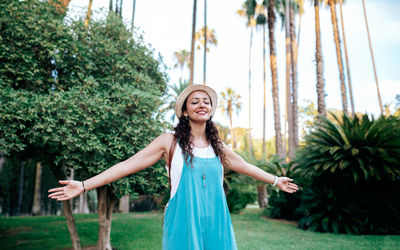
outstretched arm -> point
(145, 158)
(237, 164)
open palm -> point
(285, 184)
(67, 192)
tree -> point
(193, 42)
(248, 11)
(347, 59)
(319, 63)
(332, 5)
(88, 13)
(274, 76)
(205, 36)
(372, 58)
(91, 100)
(182, 60)
(175, 91)
(229, 103)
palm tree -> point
(372, 57)
(205, 43)
(261, 21)
(288, 105)
(332, 5)
(205, 36)
(274, 75)
(88, 13)
(193, 41)
(175, 91)
(182, 59)
(347, 59)
(248, 11)
(319, 62)
(133, 13)
(230, 101)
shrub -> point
(351, 170)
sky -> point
(167, 26)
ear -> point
(185, 113)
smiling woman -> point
(197, 215)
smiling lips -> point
(201, 112)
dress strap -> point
(171, 155)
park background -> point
(166, 32)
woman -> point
(196, 216)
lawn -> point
(144, 231)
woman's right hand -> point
(70, 190)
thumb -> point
(64, 182)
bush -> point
(351, 176)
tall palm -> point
(205, 43)
(319, 62)
(133, 13)
(182, 61)
(205, 36)
(372, 57)
(193, 41)
(347, 59)
(274, 75)
(248, 11)
(88, 13)
(332, 5)
(288, 104)
(261, 21)
(230, 102)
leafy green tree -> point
(77, 97)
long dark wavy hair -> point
(184, 136)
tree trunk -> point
(249, 131)
(124, 204)
(73, 233)
(2, 160)
(231, 125)
(319, 63)
(288, 114)
(83, 204)
(88, 13)
(21, 188)
(106, 204)
(372, 58)
(193, 41)
(265, 95)
(274, 76)
(293, 54)
(133, 14)
(347, 60)
(338, 54)
(36, 209)
(205, 43)
(262, 195)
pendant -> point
(204, 179)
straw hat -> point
(186, 92)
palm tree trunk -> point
(232, 132)
(205, 42)
(265, 95)
(319, 63)
(274, 75)
(347, 59)
(293, 54)
(288, 114)
(249, 131)
(192, 46)
(36, 208)
(262, 195)
(372, 57)
(133, 14)
(338, 54)
(88, 13)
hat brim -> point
(187, 91)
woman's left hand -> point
(286, 184)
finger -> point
(64, 199)
(64, 182)
(56, 193)
(59, 196)
(55, 189)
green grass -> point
(144, 231)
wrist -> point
(275, 181)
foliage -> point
(351, 171)
(78, 97)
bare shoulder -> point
(165, 140)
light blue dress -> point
(197, 217)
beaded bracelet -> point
(83, 184)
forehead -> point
(198, 94)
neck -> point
(198, 131)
